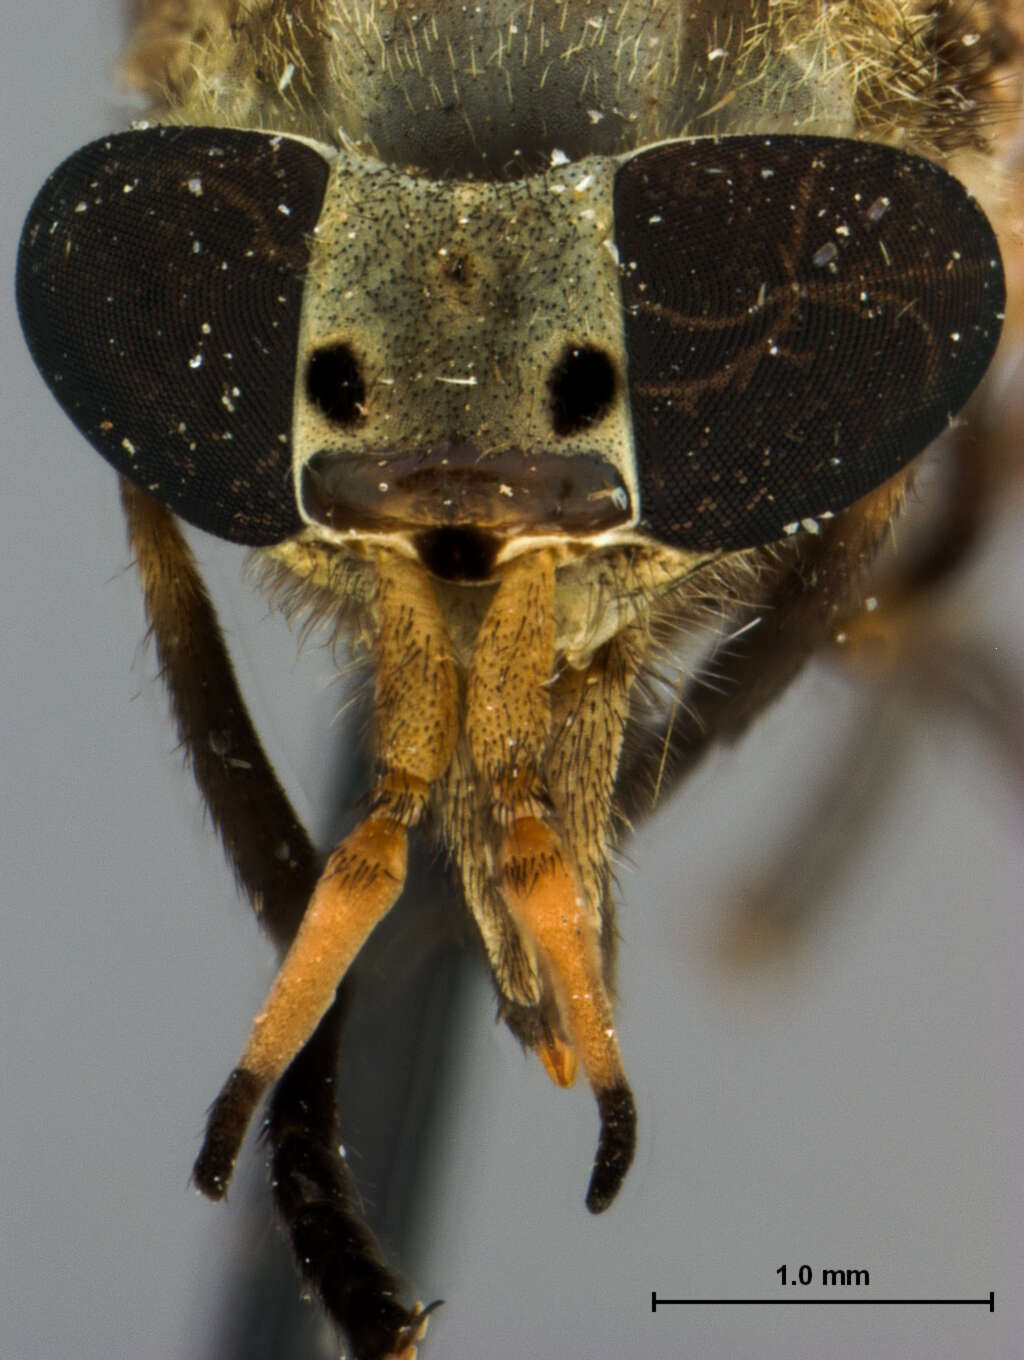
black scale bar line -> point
(989, 1302)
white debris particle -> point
(505, 490)
(206, 328)
(620, 498)
(286, 77)
(128, 447)
(558, 157)
(582, 185)
(129, 188)
(954, 335)
(383, 488)
(843, 229)
(791, 528)
(653, 221)
(284, 210)
(195, 186)
(767, 172)
(970, 39)
(879, 208)
(871, 603)
(460, 382)
(826, 255)
(197, 247)
(196, 361)
(81, 207)
(811, 525)
(595, 115)
(611, 248)
(716, 54)
(227, 403)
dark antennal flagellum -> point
(616, 1146)
(229, 1117)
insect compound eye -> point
(582, 389)
(160, 280)
(334, 383)
(803, 315)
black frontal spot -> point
(582, 389)
(334, 383)
(458, 554)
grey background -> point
(857, 1106)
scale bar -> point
(989, 1302)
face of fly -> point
(500, 383)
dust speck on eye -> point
(195, 186)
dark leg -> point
(319, 1205)
(276, 864)
(266, 844)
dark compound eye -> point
(803, 315)
(160, 283)
(582, 389)
(334, 383)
